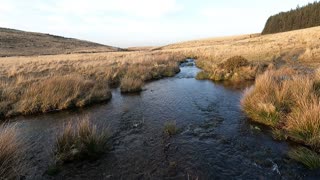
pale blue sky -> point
(126, 23)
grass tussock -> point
(287, 100)
(48, 83)
(129, 84)
(11, 153)
(234, 63)
(202, 75)
(279, 135)
(81, 141)
(62, 92)
(170, 128)
(236, 68)
(306, 157)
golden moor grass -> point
(47, 83)
(81, 141)
(61, 92)
(236, 68)
(287, 100)
(294, 47)
(302, 45)
(233, 63)
(11, 153)
(131, 84)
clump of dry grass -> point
(269, 99)
(236, 68)
(81, 141)
(62, 92)
(233, 63)
(129, 84)
(11, 153)
(51, 94)
(288, 101)
(202, 75)
(303, 124)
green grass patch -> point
(279, 135)
(170, 128)
(306, 156)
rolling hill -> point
(21, 43)
(293, 46)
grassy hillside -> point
(294, 46)
(21, 43)
(304, 17)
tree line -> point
(299, 18)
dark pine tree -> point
(302, 17)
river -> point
(215, 139)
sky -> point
(127, 23)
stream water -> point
(215, 139)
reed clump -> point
(170, 128)
(130, 84)
(287, 100)
(80, 142)
(236, 68)
(306, 157)
(12, 164)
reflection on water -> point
(214, 141)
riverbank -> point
(31, 85)
(287, 100)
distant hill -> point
(208, 42)
(302, 17)
(21, 43)
(141, 48)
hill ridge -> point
(14, 42)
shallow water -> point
(215, 139)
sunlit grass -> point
(32, 85)
(129, 84)
(288, 101)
